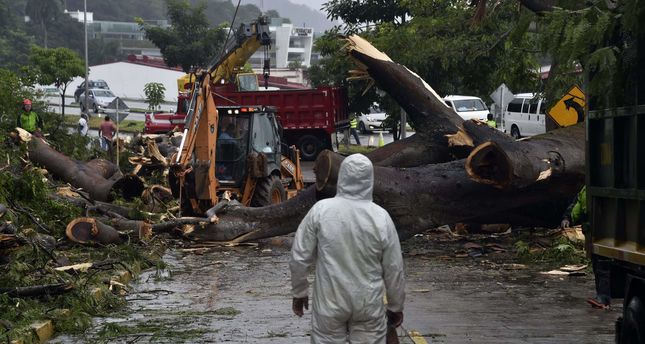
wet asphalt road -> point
(242, 295)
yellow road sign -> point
(570, 109)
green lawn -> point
(127, 126)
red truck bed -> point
(309, 117)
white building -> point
(127, 79)
(288, 44)
(80, 16)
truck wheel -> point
(96, 108)
(309, 146)
(633, 326)
(515, 132)
(361, 128)
(268, 191)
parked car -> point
(44, 92)
(97, 100)
(91, 84)
(525, 115)
(373, 120)
(468, 107)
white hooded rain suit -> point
(357, 255)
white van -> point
(525, 115)
(468, 107)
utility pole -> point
(87, 68)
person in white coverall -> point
(355, 248)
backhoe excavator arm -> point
(200, 134)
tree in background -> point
(11, 97)
(597, 38)
(56, 67)
(15, 44)
(155, 92)
(436, 40)
(190, 42)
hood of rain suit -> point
(355, 178)
(355, 248)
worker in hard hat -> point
(29, 119)
(357, 256)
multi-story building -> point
(129, 35)
(291, 46)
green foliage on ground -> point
(40, 223)
(561, 251)
(31, 265)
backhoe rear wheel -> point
(268, 191)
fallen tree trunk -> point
(88, 230)
(517, 164)
(425, 196)
(432, 118)
(420, 198)
(417, 199)
(88, 176)
(241, 224)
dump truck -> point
(616, 208)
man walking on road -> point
(106, 133)
(355, 248)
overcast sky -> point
(315, 4)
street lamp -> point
(87, 69)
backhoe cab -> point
(251, 166)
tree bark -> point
(517, 164)
(425, 108)
(88, 176)
(239, 224)
(87, 230)
(424, 197)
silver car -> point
(97, 100)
